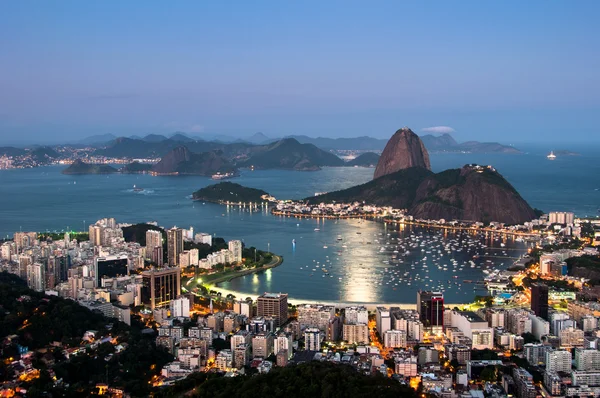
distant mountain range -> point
(441, 143)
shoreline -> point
(278, 260)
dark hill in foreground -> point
(472, 193)
(310, 379)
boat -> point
(136, 189)
(339, 237)
(325, 247)
(293, 241)
(317, 229)
(551, 156)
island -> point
(80, 167)
(136, 168)
(230, 192)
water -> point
(43, 199)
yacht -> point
(552, 156)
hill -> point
(446, 143)
(309, 379)
(136, 168)
(229, 192)
(80, 167)
(367, 159)
(472, 193)
(292, 155)
(182, 161)
(357, 143)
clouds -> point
(439, 130)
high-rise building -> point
(356, 315)
(394, 339)
(430, 306)
(243, 307)
(284, 342)
(561, 217)
(262, 345)
(539, 300)
(180, 307)
(558, 361)
(356, 334)
(587, 359)
(274, 305)
(235, 247)
(160, 286)
(312, 339)
(153, 239)
(110, 266)
(36, 277)
(174, 245)
(315, 315)
(383, 320)
(23, 240)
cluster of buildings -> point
(334, 210)
(106, 273)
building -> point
(535, 353)
(406, 366)
(180, 307)
(174, 245)
(241, 355)
(475, 328)
(36, 277)
(383, 321)
(262, 345)
(430, 306)
(561, 217)
(395, 339)
(110, 267)
(587, 360)
(539, 300)
(315, 316)
(334, 329)
(571, 337)
(428, 355)
(356, 334)
(539, 326)
(224, 360)
(243, 307)
(235, 247)
(524, 383)
(312, 339)
(273, 305)
(558, 361)
(154, 240)
(160, 286)
(461, 353)
(356, 315)
(583, 378)
(241, 337)
(284, 342)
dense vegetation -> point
(38, 320)
(80, 167)
(229, 192)
(311, 379)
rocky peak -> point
(404, 150)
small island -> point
(367, 159)
(80, 167)
(230, 192)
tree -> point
(488, 374)
(529, 338)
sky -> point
(508, 71)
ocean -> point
(360, 267)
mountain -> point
(472, 193)
(367, 159)
(257, 138)
(290, 154)
(404, 150)
(97, 139)
(229, 192)
(181, 137)
(438, 143)
(181, 161)
(446, 143)
(154, 138)
(12, 151)
(80, 167)
(43, 154)
(358, 143)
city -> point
(521, 339)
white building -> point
(383, 320)
(587, 359)
(475, 328)
(312, 339)
(356, 315)
(235, 247)
(395, 339)
(558, 361)
(180, 307)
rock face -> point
(404, 150)
(472, 193)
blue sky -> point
(508, 71)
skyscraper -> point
(235, 247)
(539, 300)
(275, 305)
(153, 240)
(110, 266)
(430, 306)
(161, 286)
(175, 245)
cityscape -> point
(265, 199)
